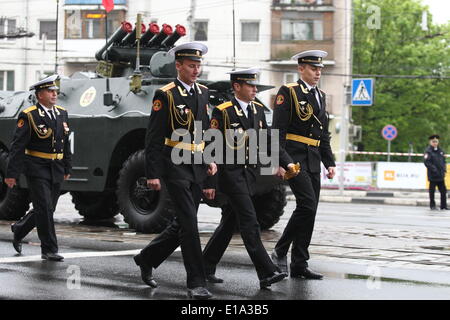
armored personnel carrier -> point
(108, 112)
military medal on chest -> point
(42, 129)
(66, 128)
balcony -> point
(295, 31)
(303, 5)
(284, 50)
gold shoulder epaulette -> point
(258, 104)
(29, 109)
(167, 87)
(59, 107)
(205, 87)
(225, 105)
(290, 85)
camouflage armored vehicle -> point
(108, 113)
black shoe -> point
(16, 241)
(280, 262)
(445, 208)
(306, 273)
(199, 293)
(213, 279)
(433, 208)
(52, 256)
(274, 277)
(146, 272)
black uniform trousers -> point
(182, 231)
(44, 196)
(299, 229)
(243, 213)
(442, 190)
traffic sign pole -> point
(389, 151)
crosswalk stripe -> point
(73, 255)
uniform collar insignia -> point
(182, 91)
(198, 88)
(238, 111)
(304, 90)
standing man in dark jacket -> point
(238, 180)
(436, 168)
(176, 107)
(41, 151)
(301, 118)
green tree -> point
(398, 46)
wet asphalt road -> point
(117, 277)
(99, 263)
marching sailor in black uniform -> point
(41, 151)
(301, 118)
(238, 180)
(434, 159)
(175, 108)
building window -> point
(49, 28)
(301, 29)
(306, 2)
(7, 26)
(290, 77)
(88, 24)
(250, 31)
(201, 30)
(7, 80)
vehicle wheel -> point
(95, 205)
(144, 210)
(270, 206)
(14, 202)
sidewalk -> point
(402, 198)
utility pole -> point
(343, 141)
(44, 42)
(25, 51)
(56, 48)
(191, 19)
(234, 40)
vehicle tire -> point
(270, 206)
(95, 205)
(144, 210)
(15, 202)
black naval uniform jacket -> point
(38, 139)
(435, 163)
(296, 112)
(240, 178)
(172, 108)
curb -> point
(372, 200)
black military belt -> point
(186, 146)
(43, 155)
(302, 139)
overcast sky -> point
(440, 9)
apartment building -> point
(239, 34)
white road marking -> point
(73, 255)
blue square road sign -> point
(362, 92)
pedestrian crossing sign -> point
(362, 92)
